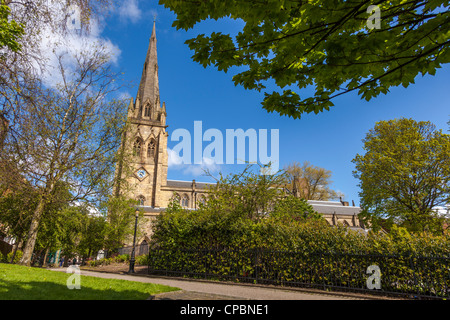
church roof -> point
(333, 207)
(150, 209)
(187, 184)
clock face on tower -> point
(141, 173)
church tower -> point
(147, 136)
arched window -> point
(176, 198)
(137, 147)
(202, 199)
(141, 200)
(151, 149)
(147, 110)
(185, 201)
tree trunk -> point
(32, 234)
(16, 246)
(66, 262)
(44, 264)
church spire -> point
(149, 86)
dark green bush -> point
(300, 252)
(142, 260)
(17, 257)
(122, 258)
(247, 230)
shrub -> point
(99, 262)
(122, 258)
(92, 263)
(316, 254)
(187, 230)
(142, 260)
(17, 258)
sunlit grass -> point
(25, 283)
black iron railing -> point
(415, 277)
(140, 250)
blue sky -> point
(192, 93)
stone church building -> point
(147, 139)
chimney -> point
(344, 203)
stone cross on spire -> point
(149, 86)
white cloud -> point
(443, 211)
(129, 10)
(176, 163)
(55, 41)
(174, 159)
(124, 95)
(208, 164)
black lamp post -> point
(132, 259)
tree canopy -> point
(69, 134)
(404, 174)
(332, 46)
(313, 181)
(25, 30)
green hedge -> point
(308, 253)
(399, 274)
(187, 231)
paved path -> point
(205, 290)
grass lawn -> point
(24, 283)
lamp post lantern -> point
(132, 258)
